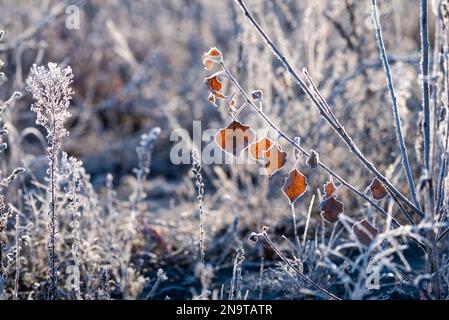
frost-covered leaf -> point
(235, 138)
(295, 185)
(257, 95)
(329, 188)
(257, 149)
(313, 159)
(215, 85)
(365, 232)
(275, 159)
(331, 208)
(378, 190)
(210, 57)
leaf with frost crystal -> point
(210, 57)
(235, 138)
(329, 188)
(275, 159)
(313, 159)
(365, 232)
(295, 185)
(378, 190)
(330, 209)
(257, 149)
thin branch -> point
(397, 119)
(425, 83)
(290, 264)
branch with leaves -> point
(238, 137)
(327, 113)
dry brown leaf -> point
(235, 138)
(313, 159)
(331, 208)
(213, 52)
(214, 84)
(365, 232)
(257, 95)
(295, 185)
(275, 159)
(210, 58)
(378, 190)
(257, 149)
(329, 188)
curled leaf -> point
(209, 58)
(331, 208)
(213, 52)
(365, 232)
(275, 159)
(231, 104)
(211, 98)
(295, 185)
(257, 149)
(313, 159)
(215, 85)
(378, 190)
(235, 138)
(257, 95)
(329, 188)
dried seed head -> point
(52, 92)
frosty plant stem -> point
(196, 170)
(255, 237)
(425, 83)
(397, 119)
(52, 94)
(327, 114)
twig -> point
(255, 237)
(425, 83)
(309, 213)
(397, 119)
(295, 231)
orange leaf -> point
(295, 185)
(329, 188)
(235, 138)
(331, 208)
(275, 160)
(208, 63)
(210, 58)
(378, 190)
(365, 232)
(213, 52)
(257, 149)
(214, 84)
